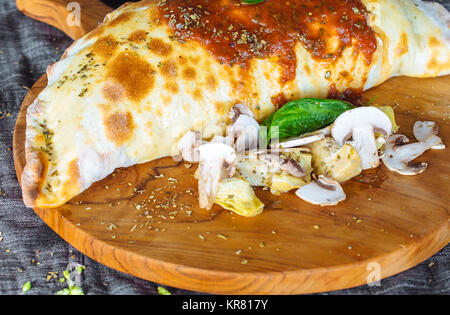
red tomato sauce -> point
(235, 33)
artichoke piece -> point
(380, 139)
(282, 183)
(258, 173)
(389, 111)
(304, 159)
(255, 171)
(333, 161)
(237, 195)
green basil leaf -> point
(251, 1)
(304, 115)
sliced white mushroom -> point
(324, 131)
(399, 154)
(216, 161)
(300, 141)
(187, 145)
(360, 125)
(238, 110)
(305, 139)
(290, 166)
(425, 129)
(221, 139)
(279, 150)
(323, 192)
(246, 132)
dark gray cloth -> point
(29, 249)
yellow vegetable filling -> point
(388, 110)
(333, 161)
(237, 195)
(340, 163)
(282, 183)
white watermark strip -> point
(74, 17)
(374, 277)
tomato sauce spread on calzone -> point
(235, 32)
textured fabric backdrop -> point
(29, 249)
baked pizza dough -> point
(129, 90)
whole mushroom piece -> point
(360, 125)
(399, 154)
(216, 161)
(245, 129)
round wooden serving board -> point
(145, 220)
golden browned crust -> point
(134, 74)
(33, 177)
(35, 171)
(169, 69)
(119, 127)
(189, 73)
(138, 36)
(122, 18)
(105, 47)
(402, 47)
(172, 87)
(113, 92)
(72, 186)
(160, 48)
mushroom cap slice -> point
(299, 141)
(216, 161)
(425, 129)
(187, 145)
(324, 131)
(221, 139)
(398, 155)
(246, 132)
(360, 124)
(305, 139)
(238, 110)
(286, 164)
(322, 192)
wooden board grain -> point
(149, 226)
(61, 14)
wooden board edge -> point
(57, 12)
(248, 283)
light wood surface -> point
(388, 223)
(59, 14)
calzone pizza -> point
(154, 70)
